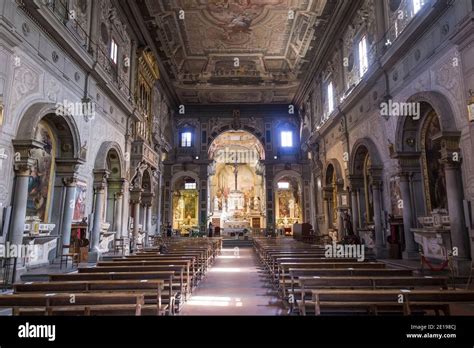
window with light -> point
(284, 185)
(113, 51)
(287, 139)
(417, 5)
(363, 56)
(186, 139)
(190, 186)
(330, 98)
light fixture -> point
(197, 157)
(276, 157)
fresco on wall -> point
(80, 202)
(41, 176)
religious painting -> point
(42, 174)
(396, 197)
(434, 177)
(80, 202)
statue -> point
(216, 204)
(181, 207)
(291, 206)
(255, 203)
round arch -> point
(408, 129)
(332, 166)
(65, 125)
(248, 129)
(361, 148)
(102, 158)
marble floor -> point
(235, 285)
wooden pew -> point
(373, 301)
(151, 289)
(180, 268)
(284, 276)
(85, 303)
(168, 296)
(308, 284)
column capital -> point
(23, 158)
(100, 179)
(136, 195)
(69, 181)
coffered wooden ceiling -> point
(199, 41)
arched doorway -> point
(288, 201)
(333, 195)
(366, 189)
(236, 182)
(429, 152)
(47, 157)
(185, 204)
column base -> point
(94, 256)
(463, 266)
(410, 255)
(381, 252)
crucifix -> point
(236, 173)
(3, 156)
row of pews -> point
(149, 282)
(310, 283)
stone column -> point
(148, 219)
(100, 185)
(376, 188)
(411, 250)
(356, 183)
(326, 208)
(118, 214)
(354, 211)
(159, 196)
(68, 209)
(459, 234)
(135, 199)
(22, 167)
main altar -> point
(238, 209)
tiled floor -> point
(234, 286)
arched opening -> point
(185, 202)
(46, 147)
(289, 203)
(428, 149)
(332, 191)
(236, 183)
(114, 188)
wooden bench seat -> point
(402, 300)
(169, 294)
(46, 300)
(152, 289)
(303, 287)
(93, 310)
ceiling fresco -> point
(236, 51)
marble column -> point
(159, 196)
(17, 228)
(100, 185)
(327, 218)
(136, 201)
(411, 250)
(354, 211)
(118, 214)
(459, 233)
(68, 209)
(22, 168)
(376, 188)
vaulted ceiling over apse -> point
(236, 51)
